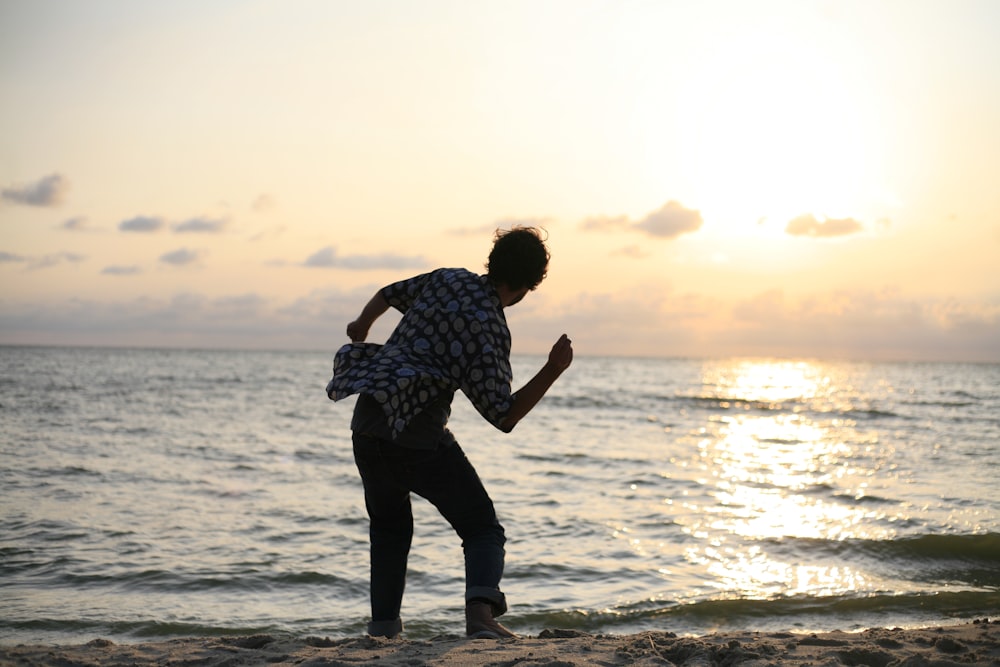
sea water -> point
(157, 493)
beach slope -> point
(966, 644)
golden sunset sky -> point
(751, 178)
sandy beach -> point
(975, 643)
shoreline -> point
(972, 643)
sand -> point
(976, 643)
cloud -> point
(632, 251)
(511, 223)
(201, 225)
(11, 258)
(262, 203)
(48, 191)
(121, 270)
(328, 257)
(142, 223)
(150, 223)
(240, 303)
(875, 325)
(644, 320)
(270, 233)
(43, 262)
(479, 230)
(185, 320)
(866, 325)
(77, 224)
(489, 229)
(808, 225)
(669, 222)
(180, 257)
(47, 261)
(603, 223)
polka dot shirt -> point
(453, 335)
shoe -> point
(480, 624)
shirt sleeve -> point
(401, 295)
(488, 385)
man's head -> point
(519, 258)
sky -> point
(780, 179)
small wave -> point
(872, 413)
(866, 499)
(72, 471)
(789, 612)
(588, 402)
(732, 403)
(954, 603)
(941, 404)
(941, 560)
(155, 580)
(983, 547)
(736, 404)
(139, 629)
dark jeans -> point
(444, 477)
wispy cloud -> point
(45, 192)
(476, 230)
(604, 223)
(201, 226)
(248, 320)
(263, 202)
(329, 257)
(632, 251)
(55, 259)
(850, 324)
(142, 224)
(121, 270)
(180, 257)
(77, 224)
(866, 324)
(503, 223)
(808, 225)
(11, 258)
(859, 324)
(269, 233)
(152, 223)
(670, 221)
(42, 262)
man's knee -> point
(491, 533)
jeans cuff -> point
(385, 628)
(497, 600)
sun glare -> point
(776, 471)
(774, 131)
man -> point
(453, 335)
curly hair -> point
(519, 258)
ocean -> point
(160, 493)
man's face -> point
(517, 296)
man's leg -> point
(390, 531)
(452, 485)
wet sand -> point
(974, 643)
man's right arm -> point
(528, 396)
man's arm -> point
(357, 330)
(526, 398)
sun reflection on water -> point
(777, 471)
